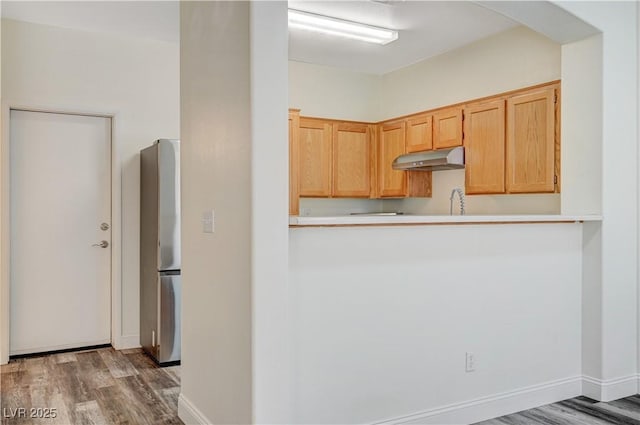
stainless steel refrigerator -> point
(160, 290)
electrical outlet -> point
(470, 362)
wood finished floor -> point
(576, 411)
(126, 387)
(101, 386)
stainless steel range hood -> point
(442, 159)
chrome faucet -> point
(461, 196)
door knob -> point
(102, 244)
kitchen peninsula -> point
(390, 305)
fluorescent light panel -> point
(333, 26)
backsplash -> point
(315, 207)
(438, 204)
(445, 181)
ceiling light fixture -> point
(334, 26)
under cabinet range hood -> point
(442, 159)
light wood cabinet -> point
(419, 184)
(314, 157)
(351, 160)
(513, 149)
(511, 140)
(391, 144)
(294, 185)
(393, 139)
(447, 128)
(334, 159)
(530, 145)
(420, 133)
(484, 145)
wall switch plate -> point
(470, 362)
(208, 224)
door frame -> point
(5, 222)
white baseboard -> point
(189, 414)
(496, 405)
(59, 347)
(610, 389)
(123, 342)
(489, 407)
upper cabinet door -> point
(531, 142)
(391, 183)
(484, 127)
(447, 128)
(294, 187)
(314, 155)
(351, 160)
(419, 133)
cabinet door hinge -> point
(555, 98)
(555, 179)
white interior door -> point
(60, 196)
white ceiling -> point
(159, 20)
(546, 18)
(426, 28)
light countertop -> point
(374, 220)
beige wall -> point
(236, 361)
(582, 126)
(135, 80)
(512, 59)
(322, 91)
(311, 207)
(4, 220)
(216, 175)
(506, 61)
(272, 324)
(610, 292)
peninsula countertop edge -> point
(415, 220)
